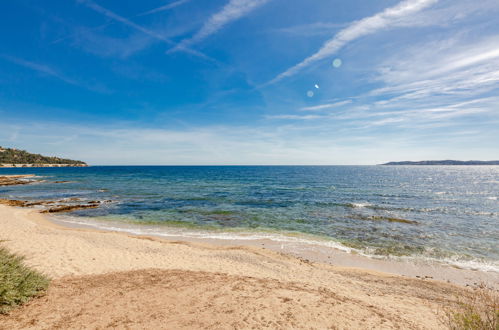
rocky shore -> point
(12, 180)
(44, 206)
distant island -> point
(10, 157)
(446, 162)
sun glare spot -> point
(337, 62)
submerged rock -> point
(382, 218)
(68, 208)
(13, 202)
(53, 206)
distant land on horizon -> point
(446, 162)
(10, 157)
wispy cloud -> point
(450, 12)
(327, 106)
(296, 117)
(386, 19)
(312, 29)
(41, 68)
(106, 46)
(285, 144)
(447, 80)
(448, 83)
(50, 71)
(207, 145)
(451, 68)
(164, 8)
(232, 11)
(108, 13)
(116, 18)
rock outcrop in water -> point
(45, 206)
(65, 205)
(13, 180)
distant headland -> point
(446, 162)
(10, 157)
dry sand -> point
(107, 279)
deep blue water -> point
(443, 212)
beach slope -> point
(107, 279)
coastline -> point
(363, 298)
(363, 219)
(3, 165)
(306, 247)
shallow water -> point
(448, 213)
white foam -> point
(473, 264)
(165, 231)
(360, 205)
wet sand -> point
(109, 279)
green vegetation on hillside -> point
(18, 283)
(15, 156)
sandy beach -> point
(108, 279)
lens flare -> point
(337, 62)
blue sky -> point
(251, 81)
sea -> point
(444, 214)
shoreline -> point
(94, 271)
(461, 268)
(302, 246)
(3, 165)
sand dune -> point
(104, 279)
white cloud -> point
(327, 106)
(102, 45)
(41, 68)
(306, 143)
(450, 12)
(390, 17)
(296, 117)
(108, 13)
(50, 71)
(164, 8)
(445, 85)
(312, 29)
(232, 11)
(450, 68)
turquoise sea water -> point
(447, 213)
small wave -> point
(457, 261)
(360, 205)
(166, 231)
(493, 198)
(381, 218)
